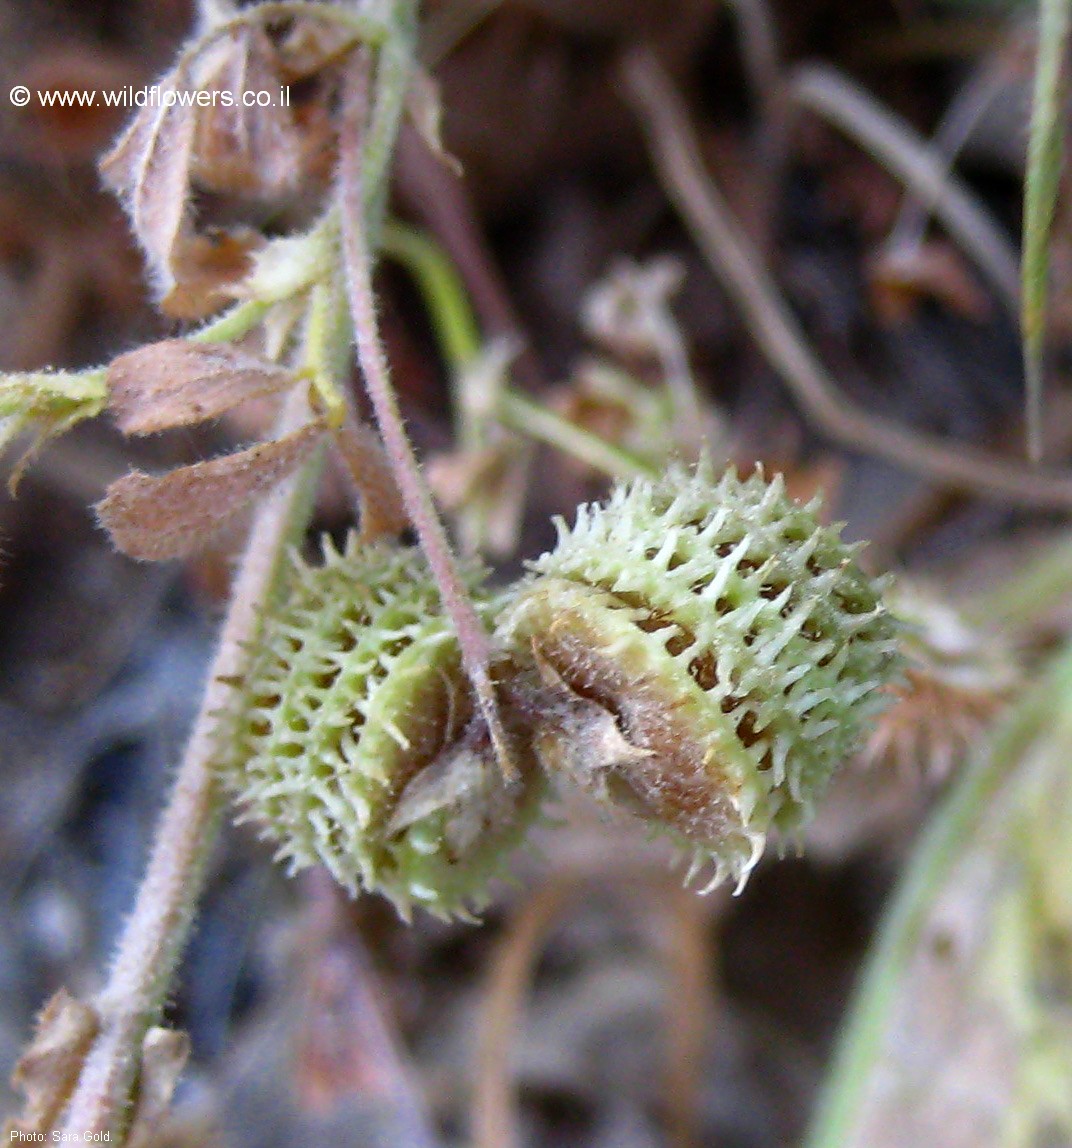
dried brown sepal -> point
(584, 739)
(367, 467)
(958, 678)
(246, 150)
(164, 1053)
(931, 726)
(158, 517)
(149, 170)
(48, 1070)
(425, 110)
(207, 271)
(310, 46)
(170, 148)
(178, 383)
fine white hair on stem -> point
(357, 256)
(155, 934)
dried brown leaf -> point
(157, 517)
(49, 1068)
(149, 169)
(310, 46)
(178, 383)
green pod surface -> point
(703, 654)
(354, 740)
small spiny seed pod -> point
(354, 740)
(957, 678)
(701, 653)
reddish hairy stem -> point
(357, 257)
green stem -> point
(942, 844)
(459, 336)
(444, 293)
(1042, 182)
(232, 324)
(539, 422)
(395, 61)
(452, 318)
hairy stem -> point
(155, 935)
(357, 255)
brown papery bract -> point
(149, 170)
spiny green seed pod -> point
(703, 654)
(355, 742)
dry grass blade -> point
(969, 106)
(739, 268)
(689, 991)
(1044, 154)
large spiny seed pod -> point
(354, 740)
(702, 653)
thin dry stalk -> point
(823, 90)
(689, 992)
(347, 1048)
(958, 123)
(156, 932)
(746, 280)
(763, 65)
